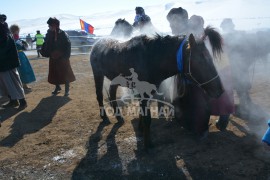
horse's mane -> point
(215, 40)
(157, 42)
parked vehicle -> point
(81, 40)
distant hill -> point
(246, 14)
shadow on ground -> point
(24, 123)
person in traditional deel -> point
(143, 21)
(10, 82)
(239, 45)
(25, 70)
(58, 48)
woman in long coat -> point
(58, 48)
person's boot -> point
(66, 89)
(26, 88)
(222, 122)
(23, 104)
(56, 90)
(11, 103)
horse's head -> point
(200, 69)
(122, 29)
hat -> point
(139, 10)
(53, 21)
(3, 18)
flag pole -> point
(80, 22)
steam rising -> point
(248, 53)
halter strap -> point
(180, 66)
(179, 56)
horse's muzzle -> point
(218, 93)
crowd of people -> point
(29, 41)
(16, 71)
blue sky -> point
(31, 9)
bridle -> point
(180, 65)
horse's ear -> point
(191, 40)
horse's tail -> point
(215, 39)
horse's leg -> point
(160, 103)
(112, 91)
(146, 122)
(140, 126)
(99, 79)
(200, 113)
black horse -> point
(122, 29)
(154, 60)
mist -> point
(248, 53)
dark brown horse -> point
(154, 60)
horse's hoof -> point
(222, 125)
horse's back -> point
(100, 47)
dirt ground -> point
(58, 137)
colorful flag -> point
(87, 27)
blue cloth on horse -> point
(180, 56)
(180, 63)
